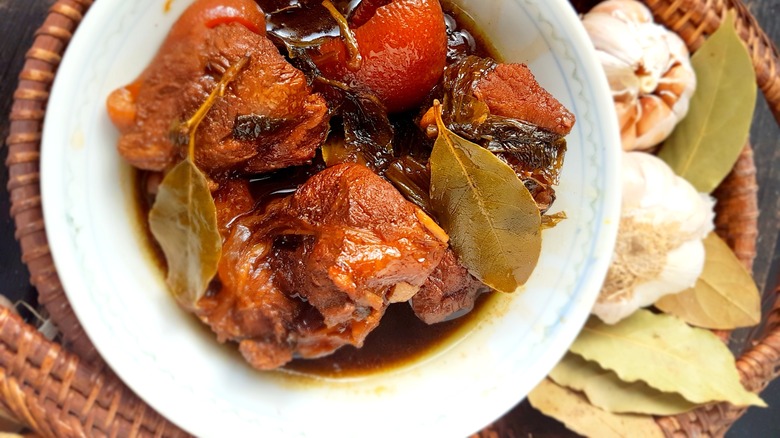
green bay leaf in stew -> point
(184, 216)
(493, 220)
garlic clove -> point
(622, 80)
(628, 136)
(627, 116)
(626, 10)
(677, 49)
(656, 58)
(603, 28)
(654, 123)
(679, 81)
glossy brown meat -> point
(315, 271)
(449, 291)
(249, 308)
(268, 118)
(233, 200)
(510, 90)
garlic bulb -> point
(659, 248)
(648, 68)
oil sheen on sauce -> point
(401, 338)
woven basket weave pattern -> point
(23, 143)
(53, 393)
(70, 392)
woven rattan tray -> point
(66, 390)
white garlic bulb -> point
(659, 248)
(648, 68)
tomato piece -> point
(121, 106)
(225, 19)
(365, 10)
(404, 49)
(212, 13)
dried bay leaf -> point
(490, 215)
(668, 355)
(725, 296)
(183, 218)
(705, 145)
(550, 221)
(573, 410)
(184, 223)
(605, 390)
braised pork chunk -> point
(511, 90)
(450, 291)
(315, 271)
(268, 119)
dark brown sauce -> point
(456, 15)
(143, 203)
(401, 337)
(281, 183)
(300, 20)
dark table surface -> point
(20, 18)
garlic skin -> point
(648, 68)
(659, 248)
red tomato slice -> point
(365, 10)
(404, 49)
(212, 13)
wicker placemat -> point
(67, 391)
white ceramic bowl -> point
(178, 367)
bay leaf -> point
(725, 296)
(668, 355)
(550, 221)
(605, 390)
(183, 220)
(493, 220)
(705, 145)
(573, 410)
